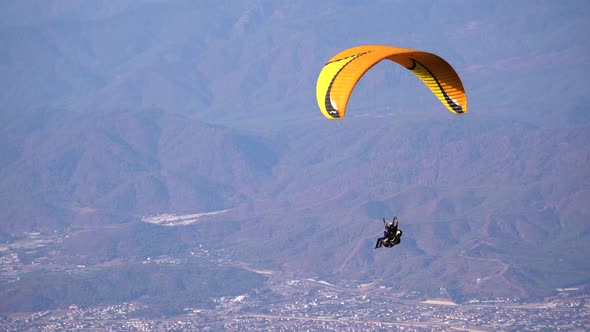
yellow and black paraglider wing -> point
(340, 75)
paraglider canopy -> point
(342, 72)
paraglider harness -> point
(393, 239)
(391, 235)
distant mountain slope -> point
(63, 167)
(482, 199)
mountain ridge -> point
(116, 111)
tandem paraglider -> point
(342, 72)
(391, 235)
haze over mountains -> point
(114, 111)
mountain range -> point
(115, 111)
